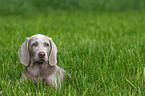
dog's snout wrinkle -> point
(41, 54)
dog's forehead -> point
(40, 38)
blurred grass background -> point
(37, 6)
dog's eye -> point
(35, 44)
(46, 44)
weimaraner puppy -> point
(39, 54)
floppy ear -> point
(53, 54)
(24, 53)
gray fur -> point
(36, 69)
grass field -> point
(103, 52)
(36, 6)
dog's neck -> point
(39, 69)
(39, 65)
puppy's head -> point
(37, 50)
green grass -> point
(103, 52)
(31, 6)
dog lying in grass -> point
(39, 54)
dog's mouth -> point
(41, 61)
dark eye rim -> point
(47, 44)
(34, 44)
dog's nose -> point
(41, 54)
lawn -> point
(103, 52)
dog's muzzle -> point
(41, 56)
